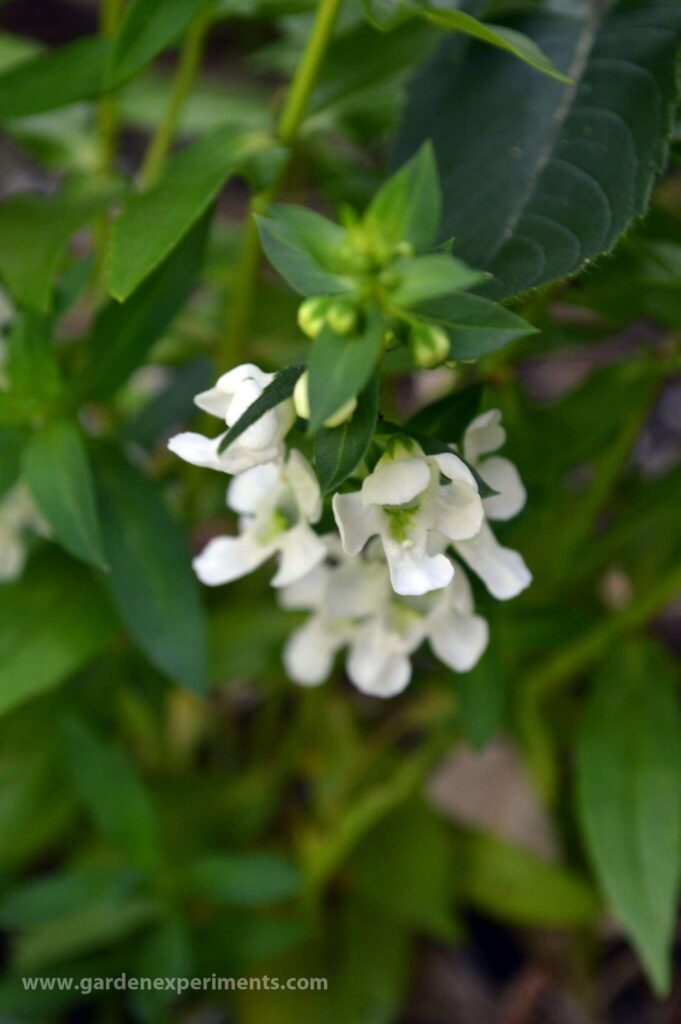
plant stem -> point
(292, 115)
(188, 64)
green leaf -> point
(513, 885)
(123, 333)
(152, 224)
(482, 696)
(151, 580)
(31, 367)
(50, 896)
(305, 248)
(75, 623)
(448, 417)
(57, 471)
(34, 230)
(408, 207)
(148, 27)
(338, 451)
(629, 789)
(550, 175)
(11, 443)
(477, 326)
(53, 79)
(243, 880)
(106, 779)
(430, 277)
(497, 35)
(276, 392)
(340, 367)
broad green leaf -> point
(150, 578)
(629, 788)
(429, 277)
(148, 27)
(34, 230)
(340, 367)
(153, 223)
(52, 622)
(305, 248)
(477, 326)
(105, 777)
(497, 35)
(276, 392)
(448, 417)
(550, 175)
(55, 78)
(513, 885)
(124, 332)
(408, 207)
(31, 368)
(57, 470)
(338, 451)
(246, 880)
(482, 696)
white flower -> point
(502, 570)
(277, 503)
(457, 636)
(18, 514)
(404, 503)
(485, 434)
(260, 443)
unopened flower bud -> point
(429, 344)
(341, 317)
(389, 279)
(403, 250)
(301, 402)
(312, 315)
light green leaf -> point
(629, 787)
(151, 580)
(340, 367)
(428, 277)
(11, 443)
(305, 248)
(475, 325)
(57, 470)
(408, 207)
(338, 451)
(55, 78)
(497, 35)
(148, 27)
(243, 880)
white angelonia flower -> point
(18, 515)
(404, 503)
(457, 636)
(276, 502)
(260, 443)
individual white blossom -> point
(18, 516)
(277, 503)
(406, 505)
(260, 443)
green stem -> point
(188, 65)
(292, 115)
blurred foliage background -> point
(498, 846)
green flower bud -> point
(312, 315)
(342, 317)
(301, 403)
(403, 250)
(389, 279)
(429, 344)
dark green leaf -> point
(31, 367)
(305, 248)
(148, 27)
(246, 880)
(549, 176)
(57, 471)
(276, 392)
(482, 696)
(338, 451)
(11, 443)
(448, 417)
(49, 80)
(475, 325)
(339, 367)
(629, 787)
(408, 207)
(151, 579)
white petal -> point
(459, 594)
(199, 450)
(12, 558)
(459, 640)
(375, 670)
(237, 459)
(502, 570)
(357, 589)
(396, 482)
(247, 492)
(307, 593)
(355, 522)
(503, 476)
(458, 511)
(308, 654)
(214, 401)
(227, 558)
(301, 549)
(451, 466)
(305, 486)
(484, 434)
(414, 572)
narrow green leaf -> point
(408, 207)
(629, 790)
(338, 451)
(148, 27)
(57, 471)
(150, 225)
(448, 417)
(52, 622)
(243, 880)
(482, 696)
(429, 277)
(11, 443)
(477, 326)
(151, 580)
(497, 35)
(54, 79)
(305, 248)
(276, 392)
(340, 367)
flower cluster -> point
(387, 580)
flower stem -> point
(188, 65)
(292, 115)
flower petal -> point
(301, 549)
(307, 593)
(227, 558)
(375, 669)
(458, 511)
(309, 652)
(459, 640)
(502, 570)
(198, 450)
(304, 485)
(396, 482)
(414, 572)
(355, 522)
(484, 434)
(503, 476)
(451, 466)
(250, 489)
